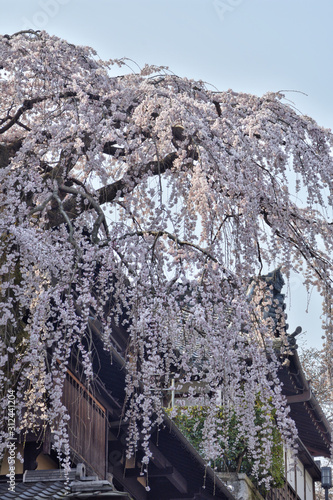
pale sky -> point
(252, 46)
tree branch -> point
(172, 237)
(101, 217)
(27, 104)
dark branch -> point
(27, 104)
(109, 193)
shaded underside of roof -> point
(313, 428)
(190, 465)
(175, 471)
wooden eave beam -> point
(300, 398)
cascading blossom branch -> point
(155, 196)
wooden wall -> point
(87, 425)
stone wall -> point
(240, 486)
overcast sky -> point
(252, 46)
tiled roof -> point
(52, 485)
(34, 491)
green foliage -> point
(237, 456)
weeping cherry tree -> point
(171, 199)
